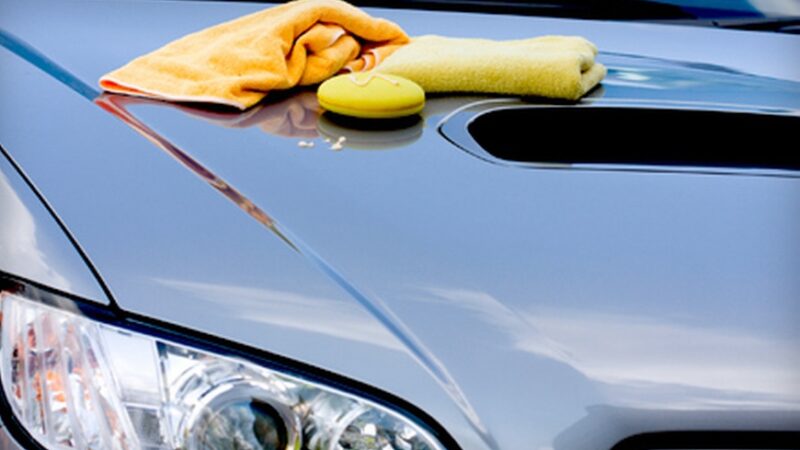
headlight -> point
(74, 382)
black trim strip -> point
(578, 9)
(713, 440)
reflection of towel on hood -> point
(549, 66)
(236, 63)
(294, 116)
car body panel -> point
(522, 308)
(32, 244)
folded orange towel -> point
(238, 62)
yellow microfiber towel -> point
(549, 66)
(236, 63)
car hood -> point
(521, 307)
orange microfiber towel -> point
(237, 63)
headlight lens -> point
(72, 382)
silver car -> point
(621, 272)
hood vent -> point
(606, 137)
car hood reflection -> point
(647, 362)
(20, 249)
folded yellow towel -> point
(548, 66)
(236, 63)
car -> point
(497, 273)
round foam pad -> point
(371, 95)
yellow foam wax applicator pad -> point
(371, 95)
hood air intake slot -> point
(630, 136)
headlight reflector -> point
(73, 382)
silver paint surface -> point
(33, 246)
(523, 309)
